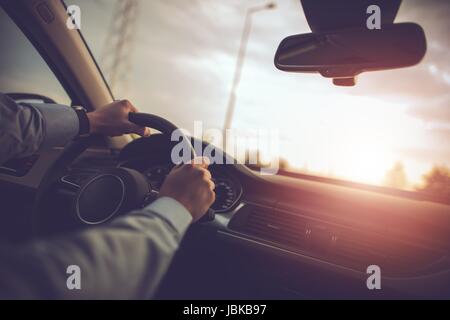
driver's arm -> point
(26, 129)
(124, 259)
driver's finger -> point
(133, 108)
(212, 185)
(201, 161)
(147, 132)
(142, 131)
(205, 172)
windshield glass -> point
(177, 59)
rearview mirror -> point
(343, 54)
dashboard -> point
(19, 167)
(305, 224)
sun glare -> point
(347, 137)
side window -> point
(23, 70)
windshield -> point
(177, 59)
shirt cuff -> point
(61, 124)
(172, 211)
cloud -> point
(426, 155)
(410, 83)
(187, 52)
(432, 111)
(439, 136)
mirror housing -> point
(343, 54)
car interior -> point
(284, 236)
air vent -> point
(358, 249)
(300, 233)
(280, 227)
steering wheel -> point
(107, 194)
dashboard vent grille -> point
(359, 250)
(281, 227)
(310, 236)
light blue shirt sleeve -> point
(125, 259)
(28, 128)
(171, 211)
(61, 124)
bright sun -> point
(354, 139)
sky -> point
(182, 63)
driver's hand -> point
(112, 120)
(191, 185)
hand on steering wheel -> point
(113, 120)
(94, 203)
(196, 198)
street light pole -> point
(240, 62)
